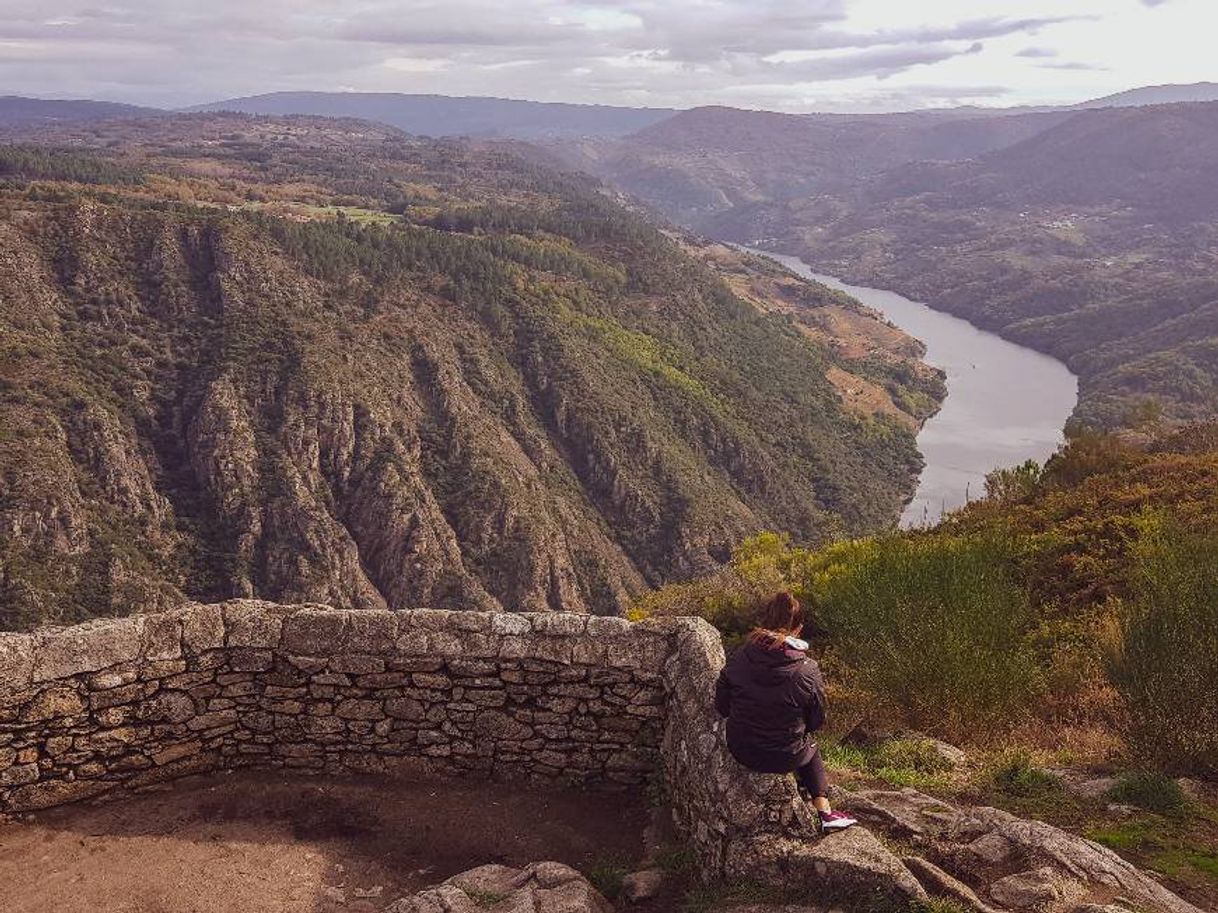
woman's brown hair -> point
(778, 616)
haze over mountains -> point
(441, 115)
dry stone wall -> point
(131, 701)
(125, 703)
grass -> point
(1177, 863)
(606, 875)
(1153, 792)
(1134, 836)
(484, 898)
(1016, 773)
(678, 857)
(900, 762)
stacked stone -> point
(137, 700)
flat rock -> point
(1032, 890)
(543, 887)
(849, 865)
(906, 812)
(1073, 858)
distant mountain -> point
(1156, 95)
(16, 111)
(441, 115)
(1089, 234)
(701, 165)
(1096, 241)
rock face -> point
(539, 404)
(543, 887)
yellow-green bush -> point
(937, 626)
(1166, 662)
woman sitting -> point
(773, 697)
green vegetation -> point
(1164, 663)
(244, 361)
(898, 762)
(1015, 772)
(1152, 791)
(1080, 599)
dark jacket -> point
(773, 698)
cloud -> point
(1073, 65)
(659, 52)
(1036, 52)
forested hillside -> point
(320, 361)
(1090, 235)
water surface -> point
(1005, 403)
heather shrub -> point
(1166, 653)
(937, 626)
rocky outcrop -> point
(459, 409)
(986, 857)
(543, 887)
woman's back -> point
(772, 695)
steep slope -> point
(442, 115)
(1096, 241)
(318, 361)
(1090, 235)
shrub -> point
(1167, 651)
(938, 627)
(1015, 772)
(1151, 791)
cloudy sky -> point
(795, 55)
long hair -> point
(776, 618)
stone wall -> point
(130, 701)
(124, 703)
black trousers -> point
(812, 777)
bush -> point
(1167, 651)
(1151, 791)
(936, 626)
(1016, 773)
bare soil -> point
(269, 843)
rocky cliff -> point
(320, 361)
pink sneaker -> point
(835, 821)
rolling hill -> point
(1089, 234)
(441, 115)
(18, 111)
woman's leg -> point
(812, 777)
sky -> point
(789, 55)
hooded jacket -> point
(773, 697)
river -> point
(1005, 403)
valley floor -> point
(269, 843)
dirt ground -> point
(270, 843)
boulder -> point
(906, 812)
(543, 887)
(1032, 890)
(642, 885)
